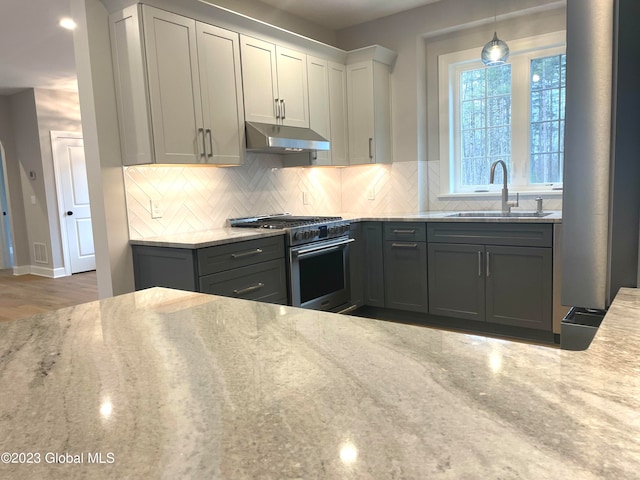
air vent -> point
(40, 253)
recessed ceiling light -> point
(67, 23)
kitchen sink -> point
(499, 214)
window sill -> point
(498, 194)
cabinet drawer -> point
(265, 282)
(515, 234)
(240, 254)
(405, 231)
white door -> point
(221, 91)
(259, 80)
(73, 197)
(338, 114)
(319, 120)
(174, 87)
(360, 101)
(292, 87)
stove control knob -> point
(298, 235)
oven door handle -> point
(304, 251)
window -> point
(513, 112)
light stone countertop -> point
(171, 384)
(221, 236)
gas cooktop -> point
(279, 220)
(299, 229)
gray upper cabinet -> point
(275, 83)
(178, 89)
(498, 273)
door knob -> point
(69, 212)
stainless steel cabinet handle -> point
(371, 148)
(250, 289)
(404, 245)
(210, 154)
(405, 232)
(479, 263)
(247, 254)
(488, 264)
(284, 109)
(204, 145)
(277, 108)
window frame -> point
(449, 67)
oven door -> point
(319, 274)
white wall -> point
(114, 264)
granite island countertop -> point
(171, 384)
(224, 235)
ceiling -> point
(338, 14)
(37, 53)
(34, 50)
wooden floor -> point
(25, 295)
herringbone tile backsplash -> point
(194, 198)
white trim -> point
(39, 271)
(521, 50)
(55, 136)
(22, 270)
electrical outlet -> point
(371, 193)
(305, 197)
(156, 209)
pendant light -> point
(495, 52)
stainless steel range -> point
(317, 258)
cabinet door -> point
(259, 80)
(356, 264)
(319, 114)
(373, 270)
(338, 114)
(174, 90)
(360, 113)
(293, 89)
(221, 91)
(405, 274)
(456, 281)
(518, 286)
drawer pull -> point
(250, 289)
(404, 245)
(257, 251)
(405, 232)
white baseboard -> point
(40, 271)
(23, 270)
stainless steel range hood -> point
(262, 137)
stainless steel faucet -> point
(506, 204)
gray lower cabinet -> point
(373, 264)
(456, 281)
(405, 267)
(498, 273)
(356, 264)
(252, 269)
